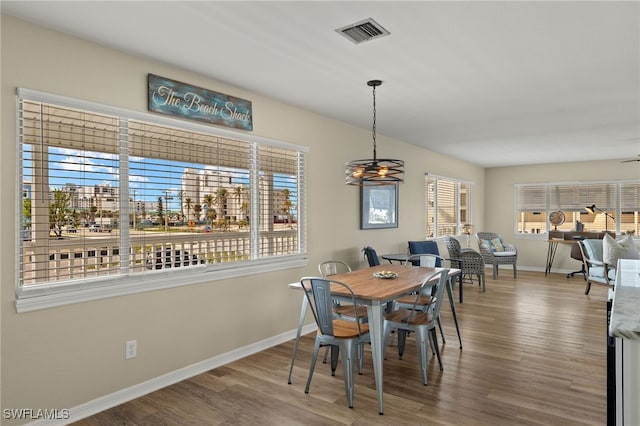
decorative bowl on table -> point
(386, 275)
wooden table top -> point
(367, 287)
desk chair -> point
(576, 254)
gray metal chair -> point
(345, 337)
(333, 267)
(344, 311)
(423, 324)
(496, 252)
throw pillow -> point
(497, 244)
(613, 250)
(494, 245)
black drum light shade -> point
(374, 171)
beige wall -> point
(65, 356)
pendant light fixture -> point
(374, 171)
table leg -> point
(452, 303)
(303, 313)
(376, 331)
(551, 254)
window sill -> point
(45, 297)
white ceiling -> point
(492, 83)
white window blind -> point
(107, 195)
(447, 205)
(618, 199)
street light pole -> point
(166, 214)
(134, 209)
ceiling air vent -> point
(363, 31)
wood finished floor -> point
(534, 354)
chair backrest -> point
(371, 256)
(592, 249)
(439, 280)
(490, 240)
(576, 253)
(425, 247)
(318, 291)
(488, 236)
(453, 246)
(428, 260)
(333, 267)
(471, 262)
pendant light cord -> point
(374, 123)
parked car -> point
(170, 258)
(96, 227)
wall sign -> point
(182, 100)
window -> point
(107, 195)
(618, 204)
(448, 205)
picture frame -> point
(379, 206)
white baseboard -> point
(124, 395)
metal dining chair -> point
(345, 337)
(423, 324)
(344, 311)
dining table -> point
(375, 293)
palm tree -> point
(208, 201)
(238, 191)
(286, 205)
(160, 209)
(197, 209)
(222, 195)
(181, 195)
(188, 203)
(244, 208)
(211, 214)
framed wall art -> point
(379, 206)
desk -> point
(551, 252)
(374, 293)
(568, 237)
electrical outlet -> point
(130, 349)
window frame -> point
(56, 293)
